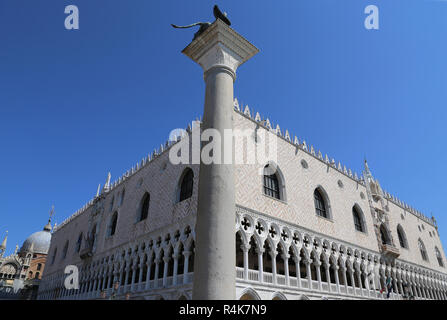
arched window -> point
(112, 225)
(402, 238)
(64, 252)
(384, 235)
(422, 249)
(439, 257)
(53, 258)
(358, 219)
(186, 185)
(79, 243)
(122, 196)
(320, 204)
(144, 207)
(271, 183)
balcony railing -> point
(302, 284)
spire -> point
(47, 227)
(3, 245)
(107, 184)
(97, 191)
(367, 167)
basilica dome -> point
(38, 242)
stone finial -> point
(236, 104)
(287, 135)
(247, 111)
(268, 124)
(312, 150)
(107, 184)
(278, 130)
(304, 145)
(320, 155)
(257, 117)
(326, 159)
(3, 245)
(296, 141)
(97, 191)
(333, 162)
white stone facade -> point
(153, 258)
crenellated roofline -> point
(266, 124)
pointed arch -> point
(422, 249)
(112, 224)
(79, 242)
(65, 250)
(439, 257)
(273, 181)
(143, 208)
(402, 237)
(239, 250)
(278, 296)
(322, 203)
(359, 218)
(249, 294)
(185, 185)
(385, 235)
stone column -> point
(328, 275)
(317, 264)
(337, 280)
(132, 281)
(185, 266)
(308, 272)
(165, 270)
(148, 272)
(260, 251)
(273, 254)
(175, 271)
(219, 50)
(140, 274)
(285, 258)
(157, 266)
(298, 270)
(245, 249)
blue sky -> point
(77, 104)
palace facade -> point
(311, 230)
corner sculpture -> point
(204, 25)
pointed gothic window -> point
(384, 235)
(271, 183)
(53, 258)
(320, 205)
(402, 238)
(144, 211)
(422, 249)
(358, 221)
(79, 243)
(113, 223)
(186, 185)
(64, 252)
(439, 257)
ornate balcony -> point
(390, 251)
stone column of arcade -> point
(219, 50)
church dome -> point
(38, 242)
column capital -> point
(220, 46)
